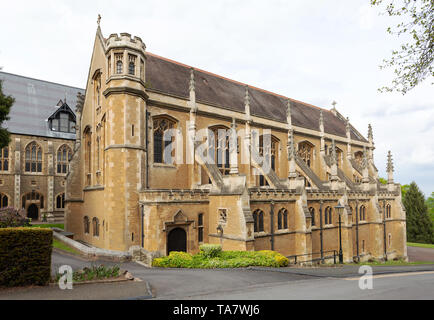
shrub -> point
(93, 273)
(210, 250)
(25, 256)
(225, 259)
(11, 218)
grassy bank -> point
(420, 245)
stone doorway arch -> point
(177, 240)
(33, 212)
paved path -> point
(416, 254)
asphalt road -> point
(404, 282)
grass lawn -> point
(59, 225)
(60, 245)
(420, 245)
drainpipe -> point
(142, 214)
(384, 228)
(357, 231)
(147, 150)
(272, 225)
(321, 230)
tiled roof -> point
(171, 77)
(35, 102)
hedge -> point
(25, 256)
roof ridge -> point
(235, 81)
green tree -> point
(6, 103)
(419, 224)
(430, 205)
(382, 180)
(413, 61)
(404, 189)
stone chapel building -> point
(125, 190)
(34, 165)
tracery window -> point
(282, 219)
(60, 201)
(119, 63)
(33, 161)
(88, 155)
(132, 64)
(219, 148)
(160, 126)
(63, 157)
(258, 218)
(274, 148)
(388, 211)
(305, 152)
(4, 159)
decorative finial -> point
(334, 103)
(390, 167)
(192, 81)
(99, 19)
(288, 108)
(370, 133)
(347, 123)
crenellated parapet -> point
(125, 40)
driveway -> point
(416, 254)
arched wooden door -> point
(177, 240)
(33, 212)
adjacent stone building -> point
(33, 167)
(140, 176)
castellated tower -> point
(111, 157)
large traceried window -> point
(63, 157)
(274, 148)
(33, 161)
(4, 159)
(258, 218)
(219, 148)
(305, 152)
(160, 126)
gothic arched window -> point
(64, 154)
(219, 148)
(60, 201)
(358, 157)
(119, 67)
(4, 200)
(274, 149)
(258, 218)
(33, 158)
(312, 213)
(362, 213)
(95, 225)
(282, 219)
(4, 159)
(328, 215)
(160, 126)
(305, 152)
(86, 223)
(388, 211)
(132, 64)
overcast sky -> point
(313, 51)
